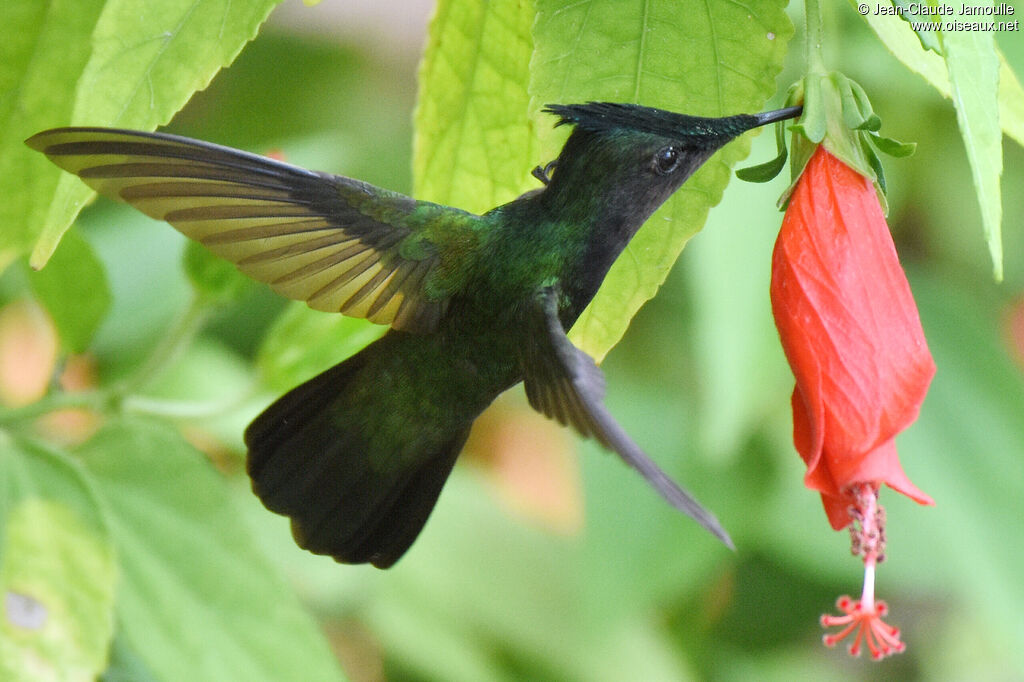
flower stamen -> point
(867, 626)
(863, 618)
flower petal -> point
(851, 332)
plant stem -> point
(177, 339)
(90, 400)
(184, 409)
(119, 396)
(814, 37)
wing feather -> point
(331, 241)
(564, 383)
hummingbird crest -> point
(696, 131)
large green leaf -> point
(708, 58)
(475, 144)
(988, 98)
(45, 47)
(974, 78)
(196, 600)
(57, 568)
(474, 130)
(147, 59)
(902, 42)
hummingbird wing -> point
(564, 383)
(338, 244)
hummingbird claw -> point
(544, 173)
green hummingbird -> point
(357, 456)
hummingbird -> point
(357, 456)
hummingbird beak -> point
(778, 115)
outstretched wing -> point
(564, 383)
(339, 244)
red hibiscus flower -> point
(852, 335)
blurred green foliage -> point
(211, 586)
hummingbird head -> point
(630, 159)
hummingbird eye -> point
(666, 160)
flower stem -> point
(814, 37)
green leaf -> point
(45, 47)
(972, 70)
(475, 144)
(125, 665)
(57, 568)
(708, 58)
(974, 79)
(929, 38)
(74, 289)
(147, 59)
(304, 342)
(196, 600)
(898, 37)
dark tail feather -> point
(309, 460)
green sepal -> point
(853, 115)
(767, 171)
(892, 147)
(876, 166)
(839, 116)
(870, 120)
(831, 117)
(812, 124)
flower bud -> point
(852, 335)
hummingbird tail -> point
(314, 457)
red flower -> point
(851, 333)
